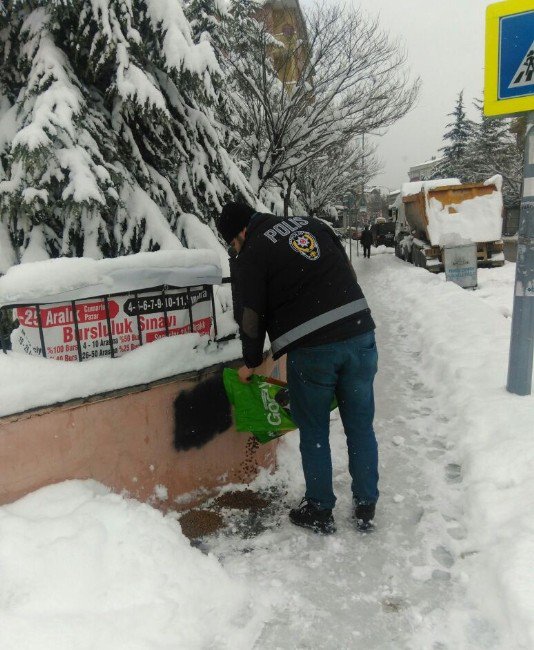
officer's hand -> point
(245, 373)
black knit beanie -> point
(234, 217)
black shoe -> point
(364, 513)
(309, 515)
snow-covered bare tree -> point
(351, 80)
(323, 181)
(109, 127)
(377, 204)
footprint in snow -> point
(434, 454)
(457, 533)
(453, 473)
(440, 575)
(443, 556)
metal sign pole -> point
(522, 341)
(108, 320)
(41, 332)
(165, 315)
(349, 203)
(3, 312)
(509, 90)
(357, 240)
(190, 308)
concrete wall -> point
(124, 440)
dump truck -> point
(430, 215)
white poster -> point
(129, 317)
(460, 264)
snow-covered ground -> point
(449, 566)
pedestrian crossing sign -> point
(509, 74)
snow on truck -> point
(430, 215)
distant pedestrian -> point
(367, 240)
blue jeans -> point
(345, 369)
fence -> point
(108, 340)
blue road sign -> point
(516, 55)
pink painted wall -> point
(125, 441)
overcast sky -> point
(445, 44)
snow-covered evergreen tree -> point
(206, 18)
(247, 59)
(493, 149)
(455, 162)
(108, 116)
(212, 21)
(490, 139)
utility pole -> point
(362, 197)
(509, 90)
(350, 203)
(522, 341)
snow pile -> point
(495, 286)
(477, 220)
(465, 338)
(86, 277)
(83, 568)
(27, 382)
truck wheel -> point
(418, 258)
(422, 259)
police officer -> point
(295, 283)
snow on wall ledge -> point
(29, 382)
(68, 278)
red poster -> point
(150, 316)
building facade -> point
(423, 171)
(285, 21)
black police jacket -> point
(295, 282)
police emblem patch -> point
(304, 242)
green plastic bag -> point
(255, 407)
(260, 405)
